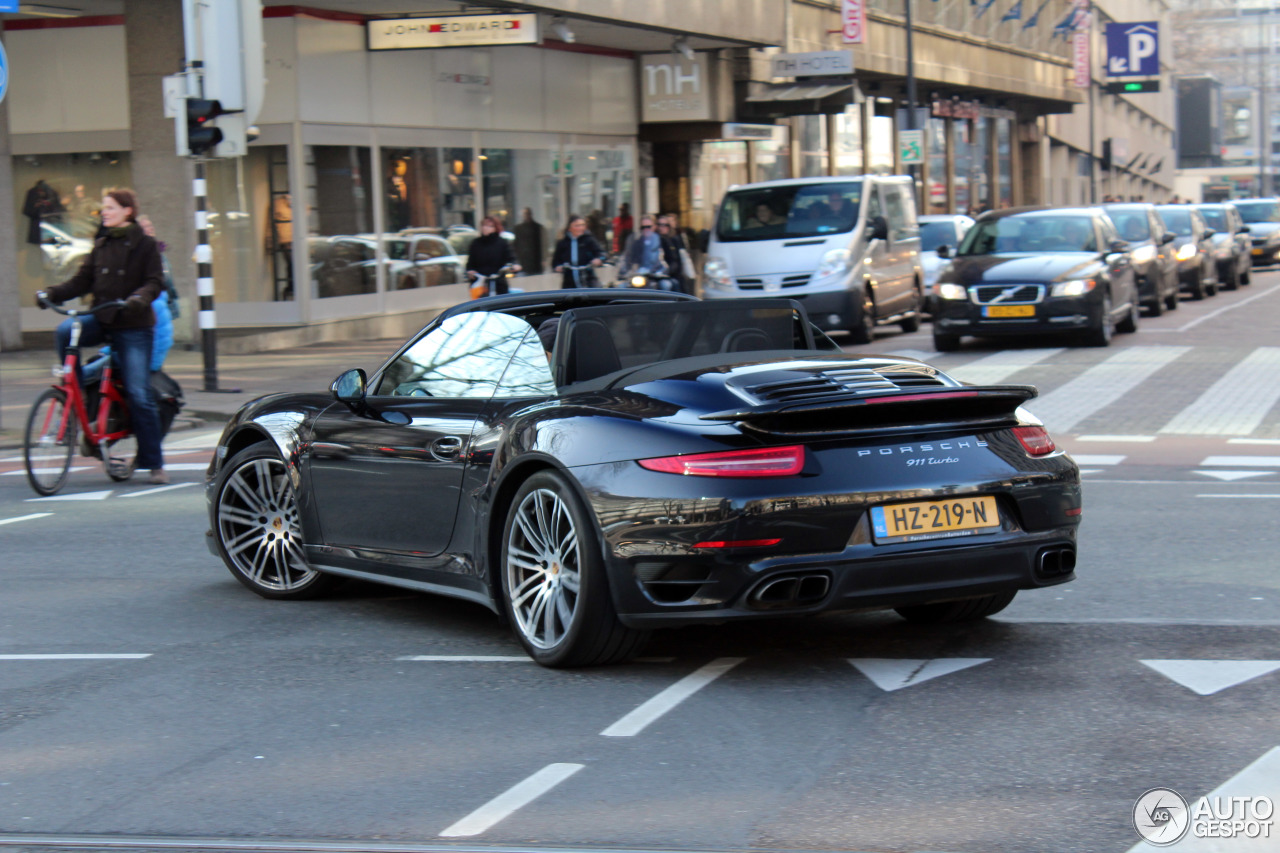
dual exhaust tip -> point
(1056, 562)
(800, 590)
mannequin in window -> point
(398, 196)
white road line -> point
(1000, 366)
(1237, 403)
(1117, 438)
(636, 721)
(157, 489)
(503, 805)
(1097, 459)
(1253, 441)
(75, 657)
(73, 469)
(470, 658)
(187, 466)
(33, 515)
(1224, 309)
(1101, 385)
(1243, 461)
(1238, 496)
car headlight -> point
(1144, 254)
(1079, 287)
(952, 291)
(835, 262)
(716, 272)
(639, 281)
(1187, 252)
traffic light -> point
(201, 135)
(1131, 87)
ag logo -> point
(1161, 817)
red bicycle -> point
(61, 414)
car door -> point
(901, 250)
(386, 476)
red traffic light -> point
(201, 136)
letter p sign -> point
(1133, 49)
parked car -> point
(1231, 243)
(1150, 253)
(847, 248)
(422, 260)
(1034, 271)
(937, 230)
(347, 264)
(1193, 247)
(1262, 216)
(673, 462)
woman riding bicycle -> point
(490, 254)
(577, 248)
(124, 264)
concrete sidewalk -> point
(24, 374)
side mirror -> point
(349, 388)
(1208, 233)
(878, 228)
(1119, 246)
(1168, 238)
(943, 251)
(1244, 229)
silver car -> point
(936, 230)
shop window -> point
(250, 226)
(341, 242)
(848, 152)
(936, 146)
(813, 146)
(56, 201)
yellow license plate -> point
(913, 522)
(1011, 310)
(1257, 251)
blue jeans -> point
(132, 348)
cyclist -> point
(490, 253)
(577, 248)
(124, 264)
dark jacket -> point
(588, 251)
(117, 268)
(489, 253)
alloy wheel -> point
(258, 530)
(543, 568)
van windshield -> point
(794, 210)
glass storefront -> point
(1004, 162)
(341, 245)
(811, 132)
(936, 151)
(251, 226)
(56, 202)
(848, 139)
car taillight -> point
(757, 462)
(1035, 440)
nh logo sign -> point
(1133, 49)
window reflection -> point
(465, 356)
(342, 249)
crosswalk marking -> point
(1236, 403)
(999, 366)
(1096, 459)
(1101, 385)
(1241, 461)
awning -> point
(796, 91)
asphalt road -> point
(225, 721)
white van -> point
(847, 248)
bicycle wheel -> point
(118, 455)
(47, 454)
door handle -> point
(446, 448)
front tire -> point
(1105, 330)
(964, 610)
(912, 323)
(555, 588)
(1129, 324)
(863, 330)
(255, 524)
(945, 343)
(46, 456)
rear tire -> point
(1129, 324)
(48, 459)
(555, 587)
(1106, 329)
(912, 323)
(1198, 291)
(964, 610)
(255, 525)
(1173, 299)
(1156, 307)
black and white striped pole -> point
(204, 285)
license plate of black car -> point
(946, 519)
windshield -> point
(789, 210)
(1257, 211)
(1132, 224)
(1016, 234)
(935, 234)
(1177, 220)
(1215, 216)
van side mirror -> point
(1168, 238)
(1118, 246)
(943, 251)
(1208, 232)
(350, 388)
(878, 228)
(1243, 229)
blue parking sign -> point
(4, 73)
(1133, 49)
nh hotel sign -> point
(458, 31)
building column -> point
(950, 136)
(154, 49)
(10, 324)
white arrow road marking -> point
(636, 721)
(1233, 475)
(513, 799)
(894, 674)
(1259, 779)
(1209, 676)
(25, 517)
(79, 496)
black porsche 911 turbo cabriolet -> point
(593, 464)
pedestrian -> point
(597, 227)
(643, 252)
(671, 245)
(489, 253)
(622, 227)
(577, 248)
(123, 264)
(530, 239)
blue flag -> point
(1035, 19)
(1014, 14)
(985, 7)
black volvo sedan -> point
(593, 464)
(1031, 271)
